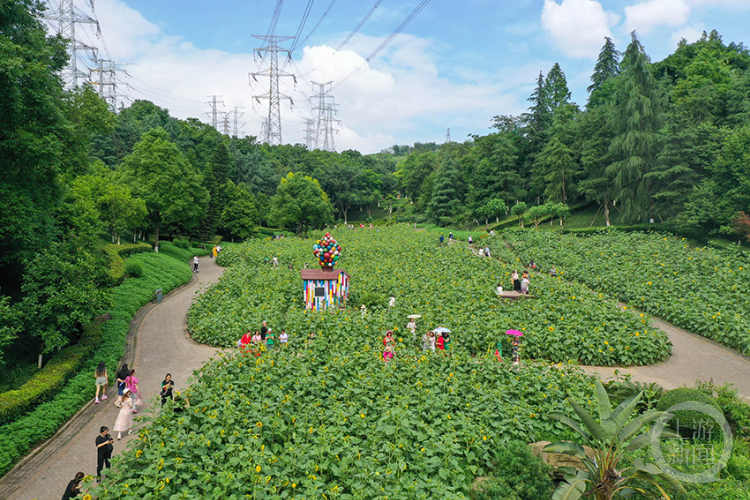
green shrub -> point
(116, 254)
(688, 419)
(181, 243)
(517, 475)
(50, 378)
(183, 254)
(21, 435)
(735, 409)
(133, 269)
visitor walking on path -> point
(125, 418)
(100, 376)
(104, 448)
(440, 342)
(516, 281)
(132, 384)
(121, 385)
(195, 264)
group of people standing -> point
(128, 400)
(520, 285)
(265, 337)
(431, 341)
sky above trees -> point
(455, 65)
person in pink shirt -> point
(132, 383)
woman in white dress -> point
(125, 417)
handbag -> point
(138, 400)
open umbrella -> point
(414, 316)
(515, 333)
(441, 329)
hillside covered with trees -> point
(667, 141)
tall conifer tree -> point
(606, 68)
(639, 106)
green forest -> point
(667, 142)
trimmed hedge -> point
(182, 254)
(688, 419)
(20, 436)
(49, 379)
(116, 254)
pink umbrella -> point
(515, 333)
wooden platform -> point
(510, 294)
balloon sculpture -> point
(327, 251)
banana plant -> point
(614, 434)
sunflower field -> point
(329, 418)
(703, 290)
(448, 286)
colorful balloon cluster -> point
(327, 251)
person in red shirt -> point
(247, 338)
(440, 342)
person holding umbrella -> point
(412, 326)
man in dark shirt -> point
(121, 375)
(263, 332)
(104, 447)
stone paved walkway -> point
(694, 358)
(160, 345)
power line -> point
(359, 26)
(302, 23)
(348, 37)
(319, 21)
(274, 19)
(385, 42)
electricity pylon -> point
(214, 114)
(67, 18)
(272, 133)
(237, 125)
(326, 112)
(310, 133)
(104, 79)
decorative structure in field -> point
(325, 287)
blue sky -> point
(455, 65)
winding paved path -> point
(160, 345)
(694, 358)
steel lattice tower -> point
(310, 133)
(214, 114)
(326, 112)
(272, 133)
(105, 77)
(67, 18)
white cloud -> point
(578, 27)
(645, 16)
(396, 98)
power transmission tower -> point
(310, 133)
(272, 133)
(448, 136)
(67, 18)
(104, 77)
(214, 114)
(225, 123)
(326, 112)
(237, 125)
